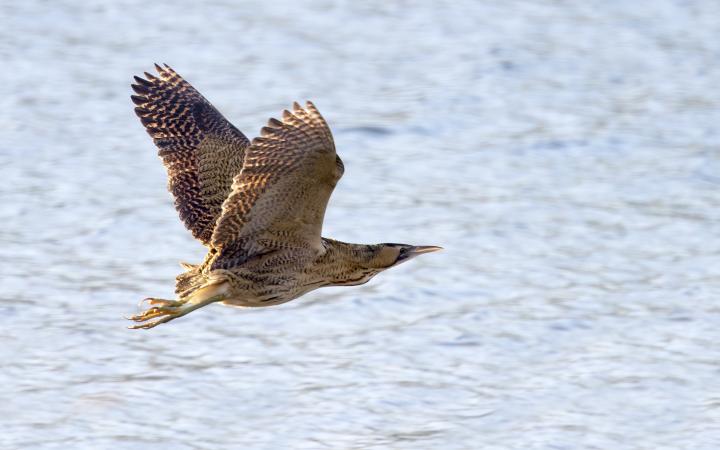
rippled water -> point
(564, 153)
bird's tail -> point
(189, 281)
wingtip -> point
(266, 131)
(140, 89)
(273, 122)
(141, 81)
(150, 77)
(138, 100)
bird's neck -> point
(353, 254)
(345, 264)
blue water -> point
(565, 154)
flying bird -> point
(257, 206)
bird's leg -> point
(161, 310)
(161, 301)
(169, 310)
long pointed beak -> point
(411, 252)
(420, 249)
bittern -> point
(258, 206)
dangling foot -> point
(167, 311)
(161, 301)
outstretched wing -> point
(278, 200)
(201, 150)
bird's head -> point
(358, 263)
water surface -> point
(564, 153)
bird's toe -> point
(161, 302)
(168, 310)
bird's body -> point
(258, 206)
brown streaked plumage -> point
(201, 150)
(258, 206)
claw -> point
(150, 314)
(165, 315)
(167, 310)
(148, 325)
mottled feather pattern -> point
(258, 206)
(201, 150)
(278, 200)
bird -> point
(258, 206)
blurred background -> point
(564, 153)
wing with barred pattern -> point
(278, 200)
(200, 149)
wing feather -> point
(278, 200)
(200, 149)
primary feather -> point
(200, 149)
